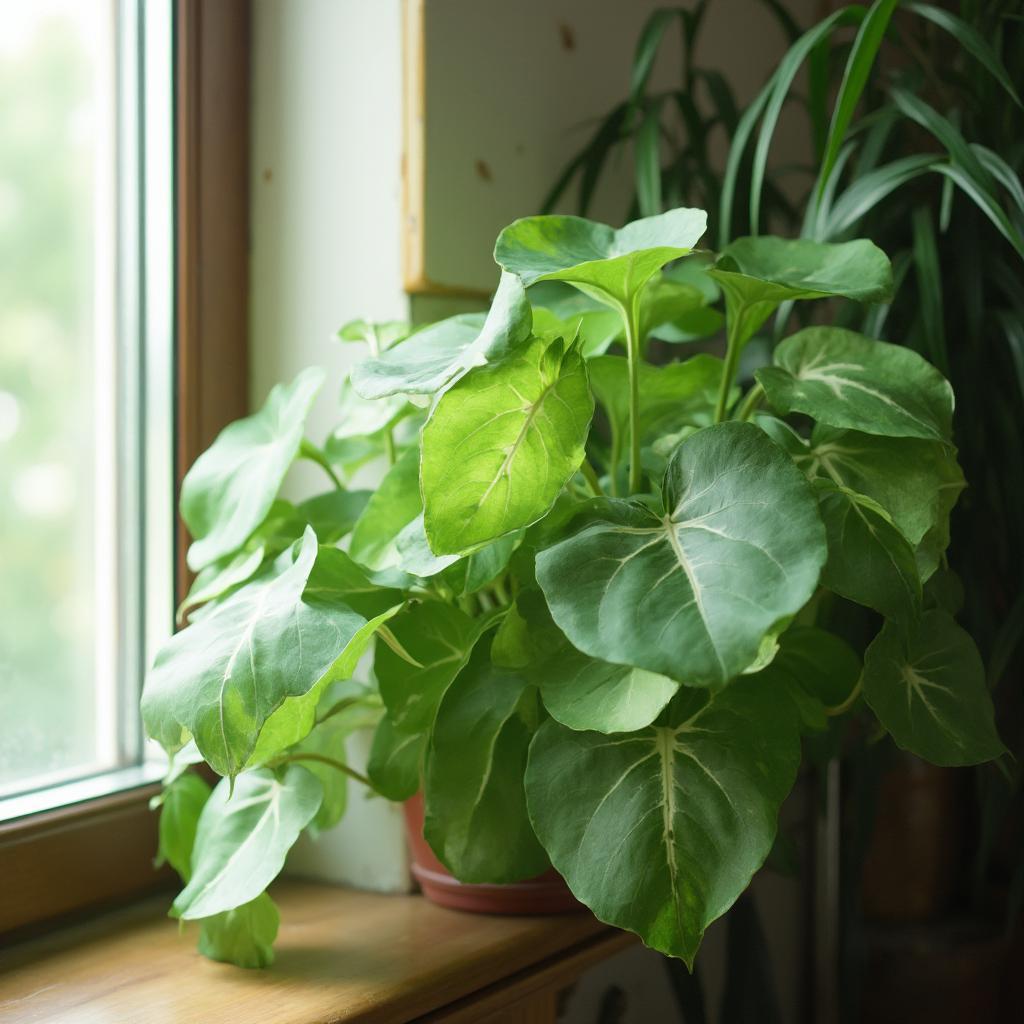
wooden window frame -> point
(100, 852)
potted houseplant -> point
(595, 637)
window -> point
(86, 399)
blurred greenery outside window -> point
(85, 382)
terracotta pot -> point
(545, 894)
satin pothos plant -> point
(590, 582)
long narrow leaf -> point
(971, 40)
(1002, 172)
(929, 288)
(985, 202)
(867, 191)
(647, 158)
(779, 86)
(858, 69)
(647, 46)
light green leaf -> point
(396, 760)
(597, 328)
(414, 554)
(181, 803)
(220, 578)
(221, 679)
(583, 693)
(475, 806)
(333, 514)
(501, 443)
(927, 687)
(843, 379)
(684, 810)
(484, 565)
(915, 481)
(376, 336)
(243, 936)
(869, 560)
(360, 416)
(692, 593)
(440, 638)
(243, 838)
(437, 355)
(229, 490)
(394, 505)
(758, 274)
(611, 265)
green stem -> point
(616, 455)
(501, 591)
(373, 341)
(841, 709)
(322, 759)
(389, 446)
(308, 450)
(629, 319)
(590, 475)
(732, 362)
(750, 403)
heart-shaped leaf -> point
(501, 443)
(243, 936)
(475, 806)
(395, 503)
(229, 490)
(685, 810)
(612, 265)
(869, 560)
(843, 379)
(758, 274)
(243, 837)
(222, 678)
(431, 358)
(691, 594)
(927, 687)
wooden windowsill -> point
(341, 956)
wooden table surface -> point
(341, 956)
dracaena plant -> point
(591, 584)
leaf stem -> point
(732, 361)
(389, 446)
(750, 403)
(308, 450)
(841, 709)
(629, 319)
(590, 475)
(323, 759)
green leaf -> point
(243, 838)
(583, 693)
(221, 679)
(439, 354)
(376, 336)
(396, 760)
(395, 503)
(869, 560)
(358, 416)
(612, 265)
(685, 811)
(692, 593)
(475, 806)
(757, 274)
(915, 481)
(859, 66)
(439, 637)
(927, 687)
(846, 380)
(229, 490)
(501, 443)
(333, 514)
(243, 936)
(181, 803)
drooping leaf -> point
(221, 679)
(181, 803)
(612, 265)
(869, 560)
(433, 357)
(475, 806)
(243, 936)
(396, 760)
(230, 488)
(243, 838)
(501, 443)
(692, 593)
(758, 274)
(440, 638)
(395, 503)
(686, 809)
(585, 694)
(843, 379)
(927, 687)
